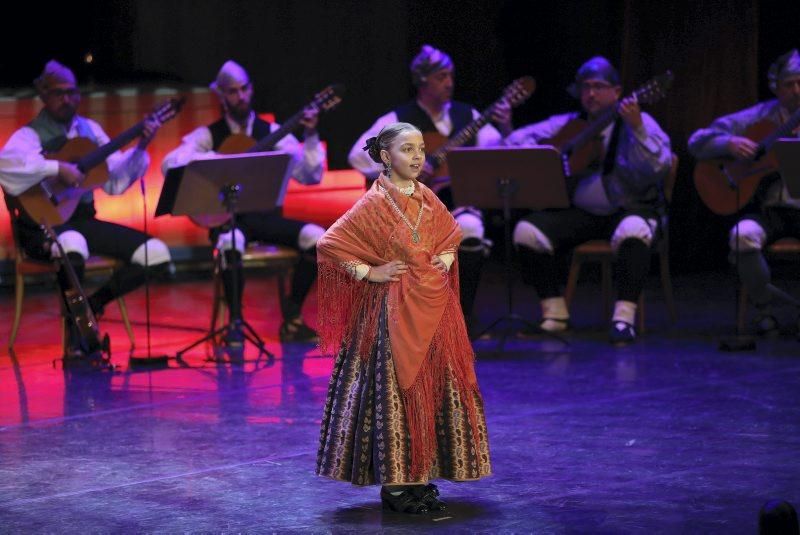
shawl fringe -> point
(347, 307)
(450, 353)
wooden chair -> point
(788, 248)
(25, 266)
(275, 259)
(600, 251)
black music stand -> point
(504, 178)
(229, 184)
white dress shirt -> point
(22, 164)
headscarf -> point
(54, 73)
(784, 67)
(230, 73)
(428, 61)
(596, 68)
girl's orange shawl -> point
(373, 233)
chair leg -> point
(572, 279)
(123, 312)
(19, 294)
(666, 283)
(742, 312)
(605, 266)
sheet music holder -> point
(536, 175)
(195, 189)
(506, 178)
(787, 150)
(228, 184)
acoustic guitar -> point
(579, 140)
(717, 180)
(77, 308)
(54, 201)
(323, 101)
(438, 145)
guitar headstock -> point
(328, 98)
(655, 89)
(519, 90)
(168, 110)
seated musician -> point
(434, 111)
(83, 234)
(617, 198)
(771, 214)
(235, 92)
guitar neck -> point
(99, 155)
(784, 130)
(268, 142)
(465, 135)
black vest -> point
(220, 131)
(460, 115)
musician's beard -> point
(64, 114)
(793, 105)
(240, 114)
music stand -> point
(504, 178)
(215, 187)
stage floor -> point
(667, 435)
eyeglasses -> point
(61, 93)
(585, 87)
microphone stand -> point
(149, 360)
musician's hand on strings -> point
(151, 126)
(501, 117)
(631, 112)
(310, 120)
(69, 174)
(742, 148)
(389, 272)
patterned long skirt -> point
(364, 437)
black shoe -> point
(296, 330)
(766, 325)
(621, 333)
(547, 325)
(428, 495)
(405, 502)
(233, 339)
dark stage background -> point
(719, 51)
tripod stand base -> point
(243, 331)
(738, 342)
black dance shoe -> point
(428, 495)
(766, 325)
(621, 333)
(405, 502)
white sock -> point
(553, 310)
(624, 311)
